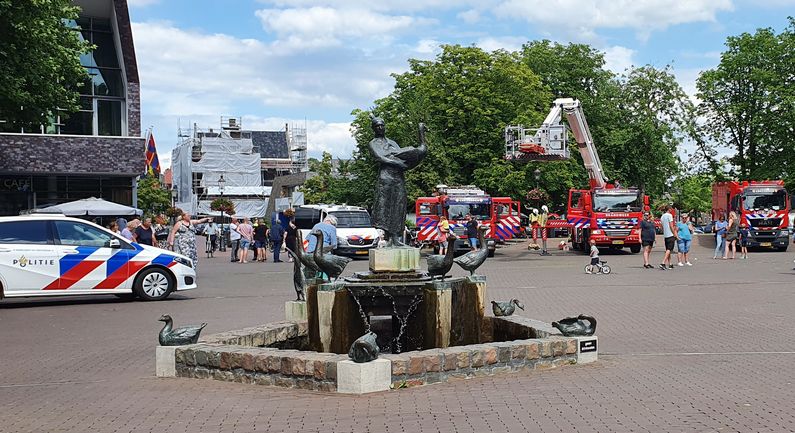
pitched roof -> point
(271, 144)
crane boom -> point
(582, 135)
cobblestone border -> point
(243, 356)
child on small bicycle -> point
(594, 257)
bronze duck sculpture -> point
(576, 326)
(299, 282)
(364, 349)
(330, 264)
(440, 265)
(180, 336)
(505, 308)
(473, 259)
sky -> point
(311, 62)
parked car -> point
(54, 255)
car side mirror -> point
(114, 243)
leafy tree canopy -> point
(40, 67)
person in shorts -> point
(744, 240)
(444, 229)
(594, 256)
(669, 235)
(647, 235)
(684, 232)
(472, 232)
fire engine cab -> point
(763, 206)
(500, 215)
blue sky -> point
(310, 62)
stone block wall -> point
(71, 154)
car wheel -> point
(782, 249)
(153, 284)
(491, 253)
(634, 249)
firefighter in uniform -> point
(534, 229)
(542, 227)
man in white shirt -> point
(669, 233)
(234, 237)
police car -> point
(57, 255)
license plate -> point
(618, 242)
(766, 244)
(362, 252)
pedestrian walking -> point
(291, 233)
(145, 234)
(684, 234)
(472, 231)
(669, 236)
(443, 228)
(234, 238)
(720, 236)
(276, 235)
(744, 240)
(211, 231)
(648, 234)
(183, 237)
(731, 236)
(261, 241)
(129, 231)
(246, 237)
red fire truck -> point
(499, 214)
(761, 205)
(604, 212)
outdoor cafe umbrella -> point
(92, 207)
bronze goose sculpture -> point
(180, 336)
(330, 264)
(306, 259)
(440, 265)
(505, 308)
(364, 349)
(299, 282)
(576, 326)
(473, 259)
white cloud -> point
(381, 6)
(470, 16)
(509, 43)
(318, 27)
(618, 59)
(585, 16)
(427, 46)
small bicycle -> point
(601, 268)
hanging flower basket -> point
(537, 194)
(174, 212)
(224, 205)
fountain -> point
(426, 329)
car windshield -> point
(459, 211)
(617, 202)
(757, 200)
(352, 219)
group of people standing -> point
(727, 235)
(470, 228)
(245, 234)
(677, 234)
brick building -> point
(98, 151)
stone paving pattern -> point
(707, 348)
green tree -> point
(40, 69)
(749, 103)
(152, 197)
(694, 193)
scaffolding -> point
(298, 146)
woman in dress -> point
(161, 231)
(183, 237)
(731, 236)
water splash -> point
(403, 320)
(361, 312)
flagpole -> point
(146, 147)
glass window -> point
(107, 82)
(620, 202)
(105, 53)
(80, 123)
(109, 117)
(100, 25)
(306, 218)
(82, 235)
(352, 220)
(24, 232)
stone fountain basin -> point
(270, 355)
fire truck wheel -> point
(634, 249)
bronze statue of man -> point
(389, 208)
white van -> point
(356, 235)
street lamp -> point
(537, 174)
(221, 183)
